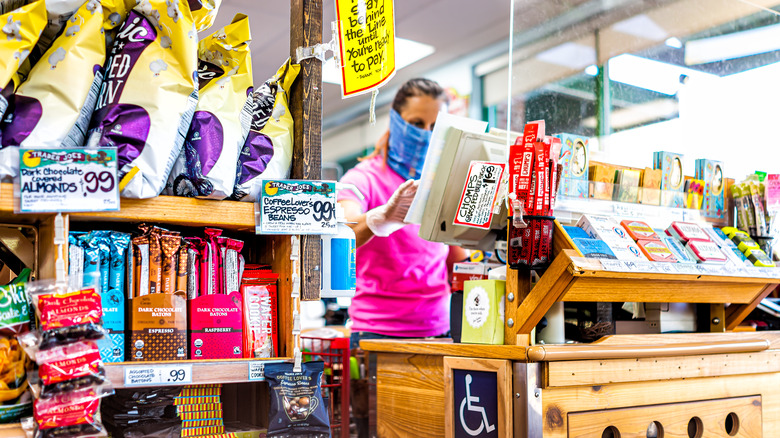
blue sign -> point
(475, 403)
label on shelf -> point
(296, 207)
(256, 371)
(475, 208)
(67, 180)
(174, 374)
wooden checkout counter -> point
(717, 384)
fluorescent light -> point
(641, 26)
(407, 52)
(572, 55)
(592, 70)
(651, 75)
(674, 43)
(733, 45)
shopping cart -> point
(335, 353)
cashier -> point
(402, 280)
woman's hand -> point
(389, 218)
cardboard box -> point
(603, 228)
(650, 192)
(627, 182)
(603, 177)
(158, 327)
(483, 312)
(216, 327)
(574, 162)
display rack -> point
(570, 277)
(204, 372)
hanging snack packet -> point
(66, 368)
(20, 31)
(146, 103)
(74, 414)
(42, 115)
(207, 163)
(267, 151)
(297, 408)
(204, 12)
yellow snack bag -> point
(204, 12)
(21, 29)
(267, 151)
(206, 166)
(149, 94)
(42, 114)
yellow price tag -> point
(366, 44)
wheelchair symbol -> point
(470, 403)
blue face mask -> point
(407, 147)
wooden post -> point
(306, 107)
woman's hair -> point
(411, 88)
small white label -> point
(612, 265)
(296, 207)
(256, 371)
(686, 269)
(179, 374)
(477, 307)
(646, 267)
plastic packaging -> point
(206, 166)
(297, 408)
(68, 367)
(15, 306)
(44, 116)
(149, 94)
(204, 12)
(73, 414)
(267, 151)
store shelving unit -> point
(204, 372)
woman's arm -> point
(457, 254)
(353, 213)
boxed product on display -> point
(694, 193)
(650, 183)
(656, 251)
(705, 252)
(574, 165)
(603, 178)
(603, 228)
(639, 230)
(594, 248)
(483, 312)
(678, 250)
(687, 231)
(711, 172)
(259, 293)
(627, 185)
(672, 178)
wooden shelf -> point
(570, 280)
(204, 372)
(170, 210)
(12, 430)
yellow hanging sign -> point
(366, 44)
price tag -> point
(475, 208)
(176, 374)
(612, 265)
(665, 268)
(297, 207)
(256, 371)
(645, 267)
(686, 269)
(774, 272)
(67, 180)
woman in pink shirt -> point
(403, 289)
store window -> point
(693, 76)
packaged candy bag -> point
(66, 368)
(73, 414)
(41, 114)
(149, 94)
(267, 151)
(206, 166)
(297, 408)
(204, 12)
(18, 35)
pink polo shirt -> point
(402, 287)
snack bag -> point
(147, 100)
(204, 12)
(42, 115)
(207, 164)
(267, 151)
(20, 31)
(297, 407)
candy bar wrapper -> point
(100, 241)
(232, 266)
(155, 262)
(204, 12)
(67, 367)
(182, 266)
(210, 273)
(267, 151)
(193, 272)
(42, 115)
(141, 266)
(206, 166)
(91, 269)
(148, 98)
(77, 408)
(170, 243)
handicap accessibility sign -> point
(475, 403)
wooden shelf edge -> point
(11, 430)
(171, 210)
(444, 348)
(204, 372)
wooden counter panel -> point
(673, 418)
(661, 291)
(558, 403)
(773, 337)
(602, 372)
(445, 347)
(13, 430)
(410, 395)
